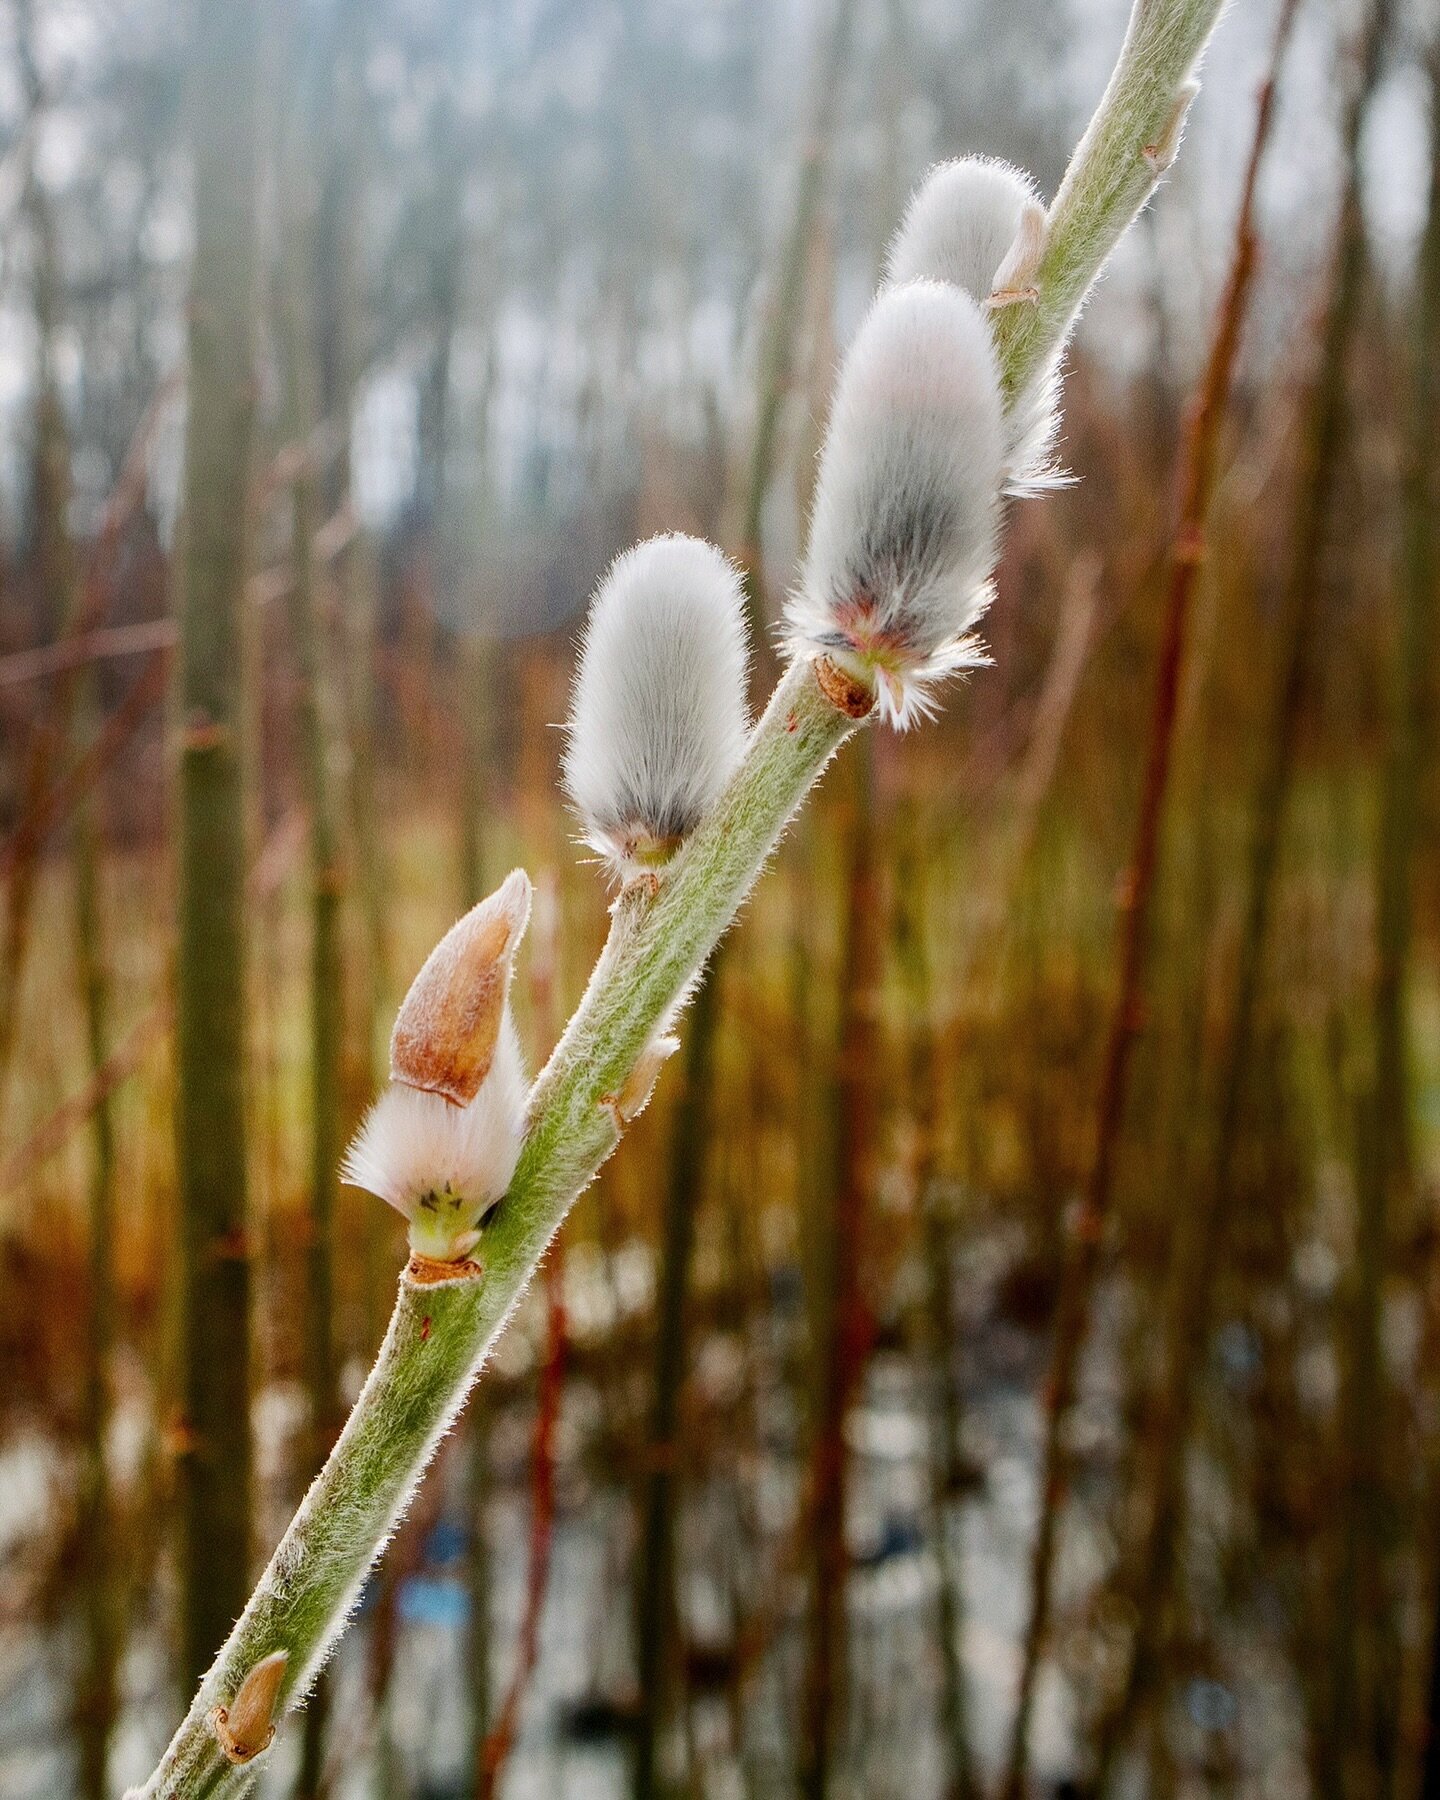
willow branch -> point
(660, 939)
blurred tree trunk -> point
(102, 1600)
(211, 1017)
(1387, 1162)
(360, 619)
(843, 1314)
(1148, 1561)
(939, 1331)
(327, 883)
(655, 1605)
(60, 599)
(58, 596)
(429, 583)
(475, 674)
(1422, 593)
(1321, 449)
(335, 305)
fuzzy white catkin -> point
(414, 1144)
(962, 225)
(903, 529)
(658, 717)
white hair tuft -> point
(423, 1154)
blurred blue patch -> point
(787, 1290)
(447, 1543)
(435, 1601)
(898, 1537)
(1211, 1705)
(1240, 1354)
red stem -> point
(499, 1741)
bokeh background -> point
(537, 277)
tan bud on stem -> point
(246, 1726)
(1015, 278)
(447, 1029)
(634, 1097)
(1166, 147)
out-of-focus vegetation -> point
(533, 280)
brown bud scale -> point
(446, 1032)
(247, 1725)
(428, 1271)
(845, 692)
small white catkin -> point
(415, 1145)
(961, 224)
(903, 530)
(658, 716)
(976, 222)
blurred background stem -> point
(655, 1602)
(309, 648)
(215, 1463)
(842, 1312)
(62, 598)
(1415, 698)
(1162, 1452)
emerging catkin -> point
(903, 530)
(979, 223)
(658, 717)
(441, 1143)
(961, 224)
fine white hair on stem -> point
(903, 530)
(658, 716)
(961, 224)
(979, 223)
(440, 1164)
(1032, 421)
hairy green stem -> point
(440, 1333)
